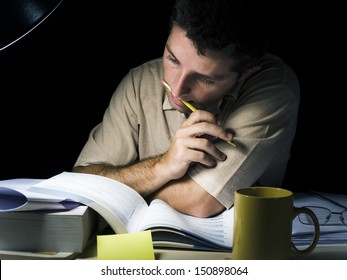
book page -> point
(217, 230)
(334, 202)
(117, 203)
(334, 232)
(14, 196)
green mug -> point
(263, 220)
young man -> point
(149, 139)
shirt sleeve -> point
(114, 140)
(263, 120)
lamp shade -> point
(19, 17)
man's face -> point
(201, 80)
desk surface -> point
(319, 253)
(90, 253)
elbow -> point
(205, 208)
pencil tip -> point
(232, 144)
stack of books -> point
(32, 222)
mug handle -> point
(310, 248)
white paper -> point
(16, 196)
(108, 197)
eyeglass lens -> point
(324, 216)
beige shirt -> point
(262, 114)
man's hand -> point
(191, 145)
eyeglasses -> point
(324, 216)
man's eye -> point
(172, 59)
(206, 81)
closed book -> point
(48, 230)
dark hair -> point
(223, 26)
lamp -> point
(19, 17)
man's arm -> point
(186, 196)
(183, 194)
(145, 176)
(164, 176)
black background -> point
(57, 81)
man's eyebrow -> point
(170, 51)
(213, 78)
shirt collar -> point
(166, 104)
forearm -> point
(186, 196)
(145, 177)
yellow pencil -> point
(166, 85)
(191, 107)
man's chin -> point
(183, 110)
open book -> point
(126, 211)
(15, 196)
(329, 209)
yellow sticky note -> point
(129, 246)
